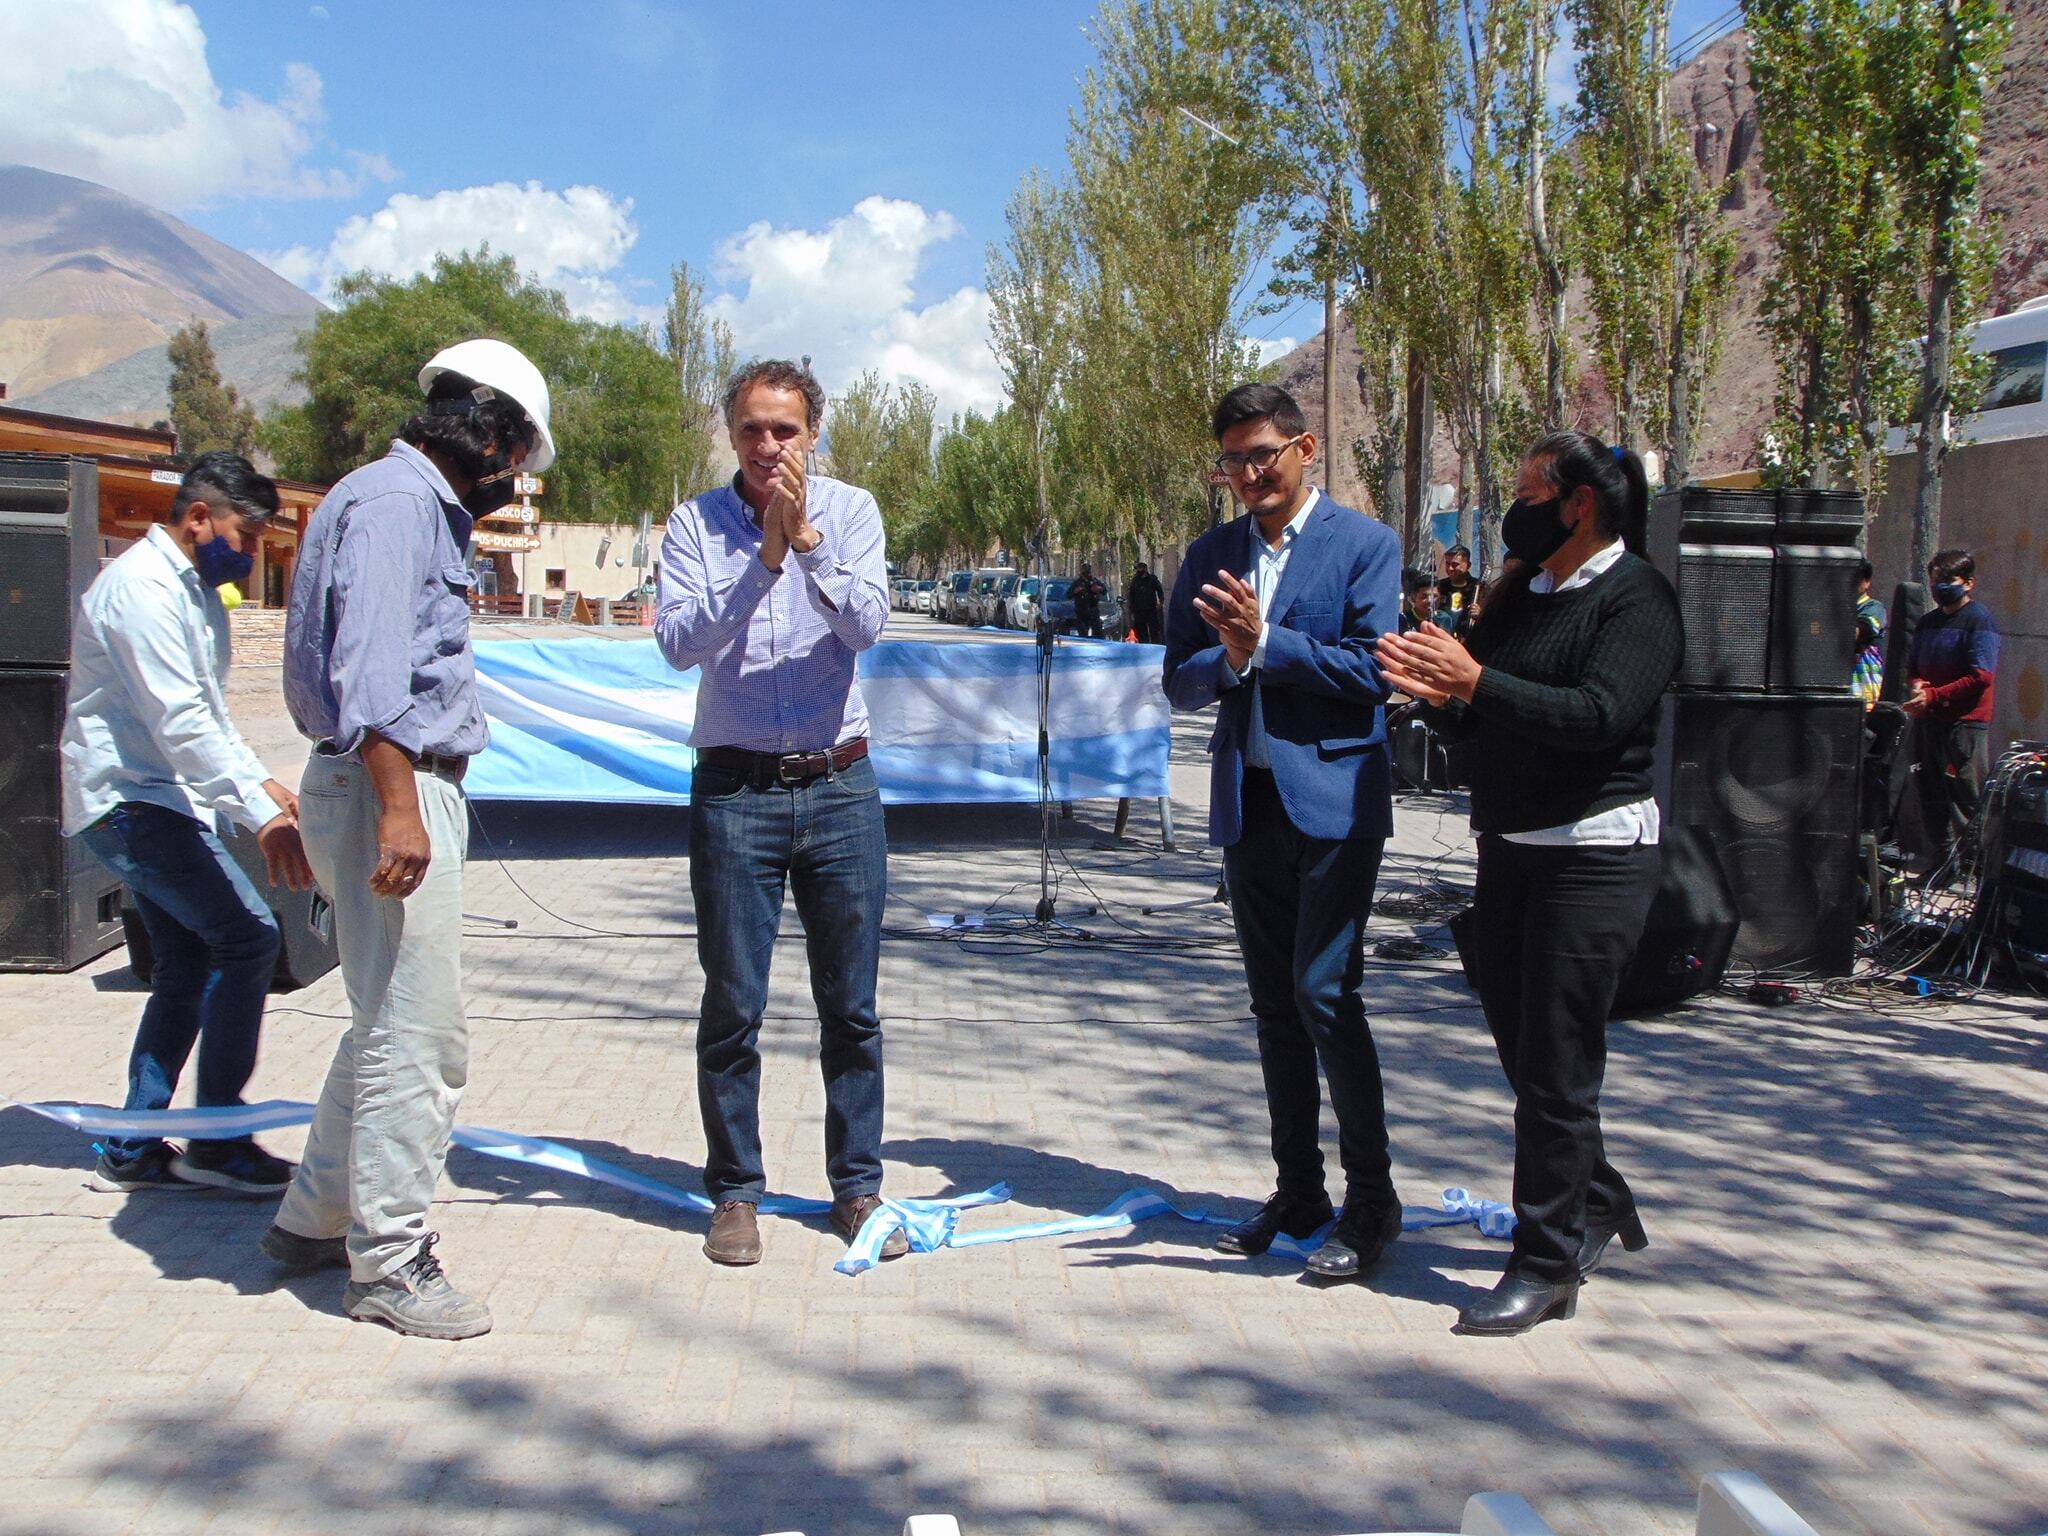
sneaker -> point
(240, 1167)
(154, 1167)
(303, 1253)
(417, 1299)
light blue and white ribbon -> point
(929, 1224)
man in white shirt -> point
(151, 762)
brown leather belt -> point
(765, 770)
(450, 768)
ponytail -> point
(1621, 507)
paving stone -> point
(1845, 1290)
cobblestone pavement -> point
(1844, 1293)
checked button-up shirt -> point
(776, 648)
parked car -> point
(902, 594)
(1059, 609)
(998, 614)
(1023, 605)
(980, 604)
(949, 597)
(921, 601)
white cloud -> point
(1272, 348)
(575, 240)
(845, 295)
(120, 92)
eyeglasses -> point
(1258, 460)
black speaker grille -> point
(1724, 599)
(54, 906)
(1770, 783)
(1813, 619)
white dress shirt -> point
(1625, 825)
(1269, 564)
(148, 718)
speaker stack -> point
(1761, 761)
(59, 907)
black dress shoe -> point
(1517, 1304)
(1593, 1244)
(1280, 1214)
(1364, 1234)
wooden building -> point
(138, 479)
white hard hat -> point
(503, 368)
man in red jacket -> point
(1953, 667)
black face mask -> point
(1534, 530)
(495, 485)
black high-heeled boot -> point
(1593, 1245)
(1518, 1304)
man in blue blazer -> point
(1273, 619)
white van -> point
(2013, 405)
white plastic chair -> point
(1741, 1504)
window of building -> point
(558, 577)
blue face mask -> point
(1946, 592)
(218, 562)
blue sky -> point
(836, 170)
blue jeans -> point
(826, 840)
(215, 945)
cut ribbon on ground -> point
(929, 1224)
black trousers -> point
(1150, 625)
(1553, 929)
(1954, 761)
(1300, 906)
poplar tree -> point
(206, 413)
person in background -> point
(1145, 606)
(153, 766)
(1558, 694)
(380, 678)
(1950, 680)
(1087, 592)
(1870, 618)
(1418, 599)
(1457, 592)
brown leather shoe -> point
(735, 1234)
(849, 1216)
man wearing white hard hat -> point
(379, 676)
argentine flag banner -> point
(590, 719)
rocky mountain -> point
(1715, 100)
(90, 277)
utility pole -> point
(1330, 381)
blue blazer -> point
(1323, 693)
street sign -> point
(527, 485)
(498, 542)
(515, 512)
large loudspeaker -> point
(58, 906)
(1770, 783)
(1766, 584)
(49, 553)
(305, 924)
(1813, 618)
(1690, 932)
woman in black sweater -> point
(1559, 693)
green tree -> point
(1166, 238)
(1031, 316)
(1838, 303)
(206, 413)
(617, 415)
(1938, 60)
(701, 349)
(1657, 257)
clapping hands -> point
(785, 524)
